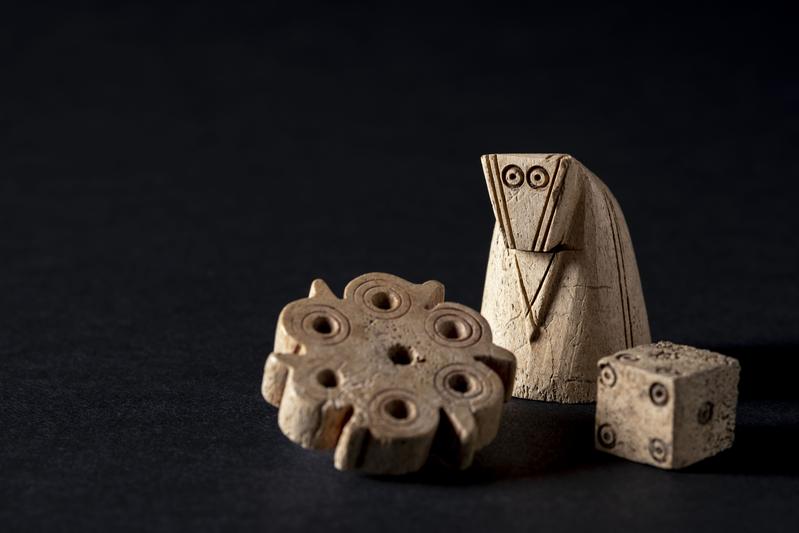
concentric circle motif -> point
(607, 375)
(320, 324)
(537, 177)
(659, 394)
(451, 326)
(383, 298)
(512, 176)
(460, 382)
(394, 407)
(605, 436)
(705, 413)
(658, 450)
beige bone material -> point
(562, 286)
(665, 404)
(387, 375)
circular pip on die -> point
(387, 375)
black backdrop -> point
(171, 176)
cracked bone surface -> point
(562, 287)
(387, 375)
(667, 405)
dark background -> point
(172, 176)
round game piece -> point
(387, 375)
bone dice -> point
(387, 375)
(665, 404)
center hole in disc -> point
(400, 355)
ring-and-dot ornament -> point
(373, 374)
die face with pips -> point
(387, 374)
(665, 404)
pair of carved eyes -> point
(513, 176)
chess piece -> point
(386, 375)
(666, 405)
(562, 286)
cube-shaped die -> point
(665, 404)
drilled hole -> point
(606, 436)
(512, 176)
(451, 329)
(537, 177)
(327, 378)
(385, 301)
(705, 413)
(400, 355)
(607, 376)
(460, 383)
(657, 449)
(323, 325)
(659, 394)
(397, 409)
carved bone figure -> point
(562, 286)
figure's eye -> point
(537, 177)
(512, 176)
